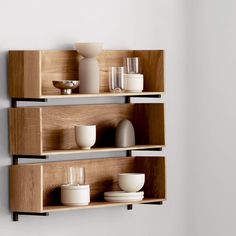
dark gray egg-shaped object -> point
(125, 135)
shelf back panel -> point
(155, 171)
(102, 175)
(58, 124)
(152, 66)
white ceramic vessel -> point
(75, 195)
(133, 83)
(131, 182)
(89, 67)
(89, 49)
(85, 136)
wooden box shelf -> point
(36, 132)
(31, 72)
(49, 130)
(36, 187)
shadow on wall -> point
(4, 188)
(3, 75)
(4, 105)
(5, 159)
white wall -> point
(143, 24)
(212, 116)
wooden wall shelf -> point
(36, 187)
(31, 72)
(49, 130)
(36, 132)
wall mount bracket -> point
(130, 206)
(15, 214)
(153, 203)
(128, 98)
(15, 158)
(15, 100)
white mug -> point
(85, 136)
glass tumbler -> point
(76, 175)
(116, 79)
(132, 65)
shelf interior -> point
(31, 72)
(50, 130)
(36, 187)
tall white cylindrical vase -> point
(89, 67)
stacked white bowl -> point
(130, 183)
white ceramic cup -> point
(75, 195)
(85, 136)
(133, 83)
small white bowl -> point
(131, 182)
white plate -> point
(128, 199)
(123, 194)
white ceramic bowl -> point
(85, 136)
(88, 49)
(131, 182)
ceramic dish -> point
(123, 199)
(123, 194)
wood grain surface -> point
(31, 72)
(38, 130)
(26, 188)
(24, 74)
(93, 205)
(25, 130)
(36, 187)
(58, 124)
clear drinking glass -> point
(81, 175)
(76, 175)
(116, 79)
(132, 65)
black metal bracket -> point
(15, 214)
(153, 203)
(15, 100)
(152, 149)
(127, 98)
(129, 207)
(15, 158)
(129, 152)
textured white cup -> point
(85, 136)
(133, 83)
(75, 195)
(131, 182)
